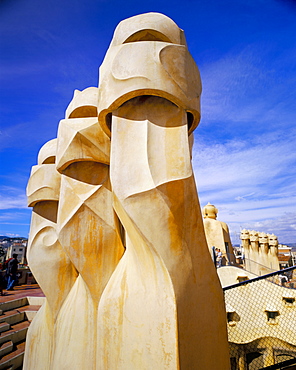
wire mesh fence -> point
(261, 316)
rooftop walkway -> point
(21, 291)
(17, 309)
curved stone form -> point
(47, 153)
(39, 340)
(273, 251)
(254, 252)
(83, 104)
(262, 255)
(217, 234)
(46, 257)
(44, 182)
(144, 292)
(245, 238)
(166, 242)
(87, 227)
(47, 260)
(89, 233)
(263, 259)
(148, 56)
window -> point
(272, 316)
(242, 277)
(289, 301)
(232, 316)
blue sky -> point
(244, 154)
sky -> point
(244, 156)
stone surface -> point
(273, 251)
(138, 288)
(148, 56)
(253, 331)
(261, 252)
(47, 259)
(217, 234)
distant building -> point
(286, 256)
(19, 247)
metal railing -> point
(230, 259)
(261, 316)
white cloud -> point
(243, 165)
(283, 226)
(247, 86)
(11, 197)
(11, 235)
(251, 183)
